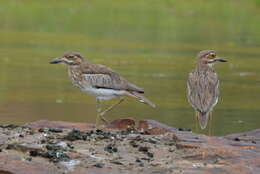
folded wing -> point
(101, 76)
(203, 90)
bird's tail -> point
(141, 98)
(202, 118)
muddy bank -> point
(47, 147)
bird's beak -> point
(55, 61)
(220, 60)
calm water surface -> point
(152, 44)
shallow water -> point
(153, 44)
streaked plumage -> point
(99, 76)
(98, 80)
(203, 86)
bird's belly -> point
(103, 94)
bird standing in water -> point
(203, 86)
(100, 82)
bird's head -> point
(209, 57)
(69, 58)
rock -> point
(154, 128)
(246, 138)
(122, 124)
(12, 164)
(9, 126)
(111, 148)
(143, 149)
(99, 165)
(76, 135)
(81, 170)
(25, 147)
(151, 147)
(59, 124)
(185, 145)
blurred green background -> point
(153, 43)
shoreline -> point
(124, 146)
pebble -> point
(99, 165)
(143, 149)
(110, 148)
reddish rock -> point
(153, 127)
(122, 124)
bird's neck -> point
(73, 67)
(74, 70)
(204, 67)
(75, 75)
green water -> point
(150, 42)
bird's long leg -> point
(99, 113)
(110, 108)
(210, 123)
(98, 109)
(197, 122)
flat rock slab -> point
(13, 163)
(124, 146)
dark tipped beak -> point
(55, 61)
(220, 60)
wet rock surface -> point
(124, 146)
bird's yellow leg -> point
(110, 108)
(196, 123)
(98, 112)
(210, 124)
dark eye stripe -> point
(70, 57)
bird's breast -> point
(75, 77)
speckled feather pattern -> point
(103, 83)
(203, 89)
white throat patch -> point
(210, 64)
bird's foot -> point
(99, 127)
(101, 117)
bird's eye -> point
(71, 57)
(212, 55)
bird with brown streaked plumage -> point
(100, 82)
(203, 86)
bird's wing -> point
(101, 76)
(202, 90)
(191, 90)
